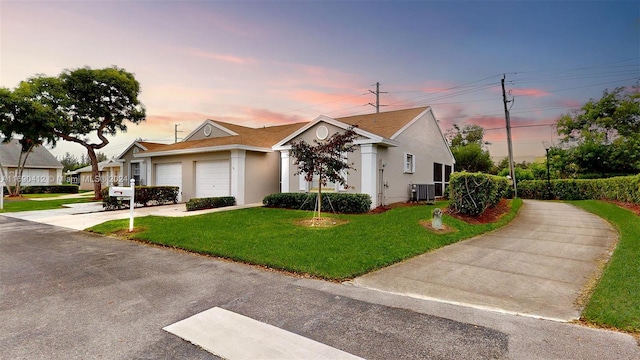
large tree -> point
(88, 102)
(469, 148)
(603, 136)
(20, 116)
(326, 159)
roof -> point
(385, 124)
(257, 138)
(101, 166)
(39, 157)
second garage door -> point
(170, 175)
(212, 178)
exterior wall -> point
(108, 176)
(262, 176)
(145, 165)
(39, 176)
(423, 139)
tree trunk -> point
(22, 161)
(95, 173)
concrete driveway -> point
(537, 265)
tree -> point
(20, 116)
(89, 102)
(602, 138)
(469, 148)
(69, 161)
(326, 159)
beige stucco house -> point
(41, 168)
(394, 150)
(110, 172)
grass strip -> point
(616, 299)
(269, 237)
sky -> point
(261, 63)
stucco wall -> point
(215, 132)
(262, 175)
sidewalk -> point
(85, 215)
(535, 266)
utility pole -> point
(175, 132)
(508, 120)
(377, 94)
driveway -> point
(537, 265)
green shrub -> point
(210, 203)
(472, 193)
(144, 195)
(339, 202)
(49, 189)
(623, 188)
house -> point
(394, 150)
(41, 168)
(110, 172)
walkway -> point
(536, 266)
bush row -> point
(210, 203)
(144, 195)
(623, 188)
(338, 202)
(49, 189)
(472, 193)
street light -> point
(547, 146)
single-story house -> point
(41, 168)
(395, 149)
(110, 172)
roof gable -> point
(39, 157)
(209, 128)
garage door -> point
(31, 177)
(212, 178)
(170, 175)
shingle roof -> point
(264, 137)
(385, 123)
(39, 157)
(101, 166)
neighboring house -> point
(41, 168)
(394, 150)
(110, 172)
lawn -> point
(270, 237)
(616, 299)
(30, 205)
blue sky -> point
(259, 63)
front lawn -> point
(30, 205)
(616, 299)
(269, 237)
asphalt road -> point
(67, 294)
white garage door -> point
(212, 178)
(31, 177)
(170, 175)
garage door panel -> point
(212, 178)
(170, 175)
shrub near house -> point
(144, 195)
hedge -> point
(339, 202)
(472, 193)
(144, 195)
(210, 203)
(49, 189)
(622, 188)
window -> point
(135, 172)
(409, 163)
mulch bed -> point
(629, 206)
(490, 215)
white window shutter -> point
(302, 183)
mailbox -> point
(119, 191)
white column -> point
(284, 171)
(238, 158)
(369, 171)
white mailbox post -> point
(122, 192)
(1, 194)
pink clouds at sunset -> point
(220, 57)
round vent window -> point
(207, 130)
(322, 132)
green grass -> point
(616, 299)
(269, 237)
(30, 205)
(38, 196)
